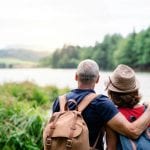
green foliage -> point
(103, 52)
(134, 50)
(99, 55)
(20, 126)
(65, 58)
(143, 48)
(30, 92)
(127, 53)
(46, 61)
(24, 109)
(25, 91)
(85, 53)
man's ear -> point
(97, 79)
(76, 77)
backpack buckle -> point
(69, 143)
(48, 141)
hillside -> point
(20, 58)
(22, 54)
(16, 63)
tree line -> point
(133, 50)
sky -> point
(49, 24)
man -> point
(101, 111)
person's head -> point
(87, 73)
(123, 87)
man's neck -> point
(81, 86)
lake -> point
(65, 77)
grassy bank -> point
(23, 114)
(16, 63)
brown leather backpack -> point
(67, 129)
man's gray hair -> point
(88, 70)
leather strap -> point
(62, 102)
(86, 101)
(81, 106)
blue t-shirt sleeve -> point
(55, 107)
(106, 108)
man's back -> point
(95, 115)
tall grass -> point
(23, 114)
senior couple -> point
(122, 87)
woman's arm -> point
(111, 139)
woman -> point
(123, 89)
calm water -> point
(63, 78)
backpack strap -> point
(86, 101)
(62, 102)
(82, 105)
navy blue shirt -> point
(96, 114)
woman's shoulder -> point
(136, 107)
(136, 111)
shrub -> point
(20, 127)
(23, 113)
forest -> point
(132, 50)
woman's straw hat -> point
(122, 80)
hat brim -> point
(110, 87)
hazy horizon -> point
(49, 24)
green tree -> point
(99, 55)
(85, 52)
(127, 51)
(46, 61)
(103, 52)
(55, 58)
(143, 48)
(134, 50)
